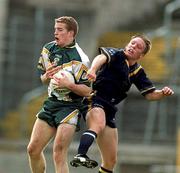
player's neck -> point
(131, 62)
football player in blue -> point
(113, 72)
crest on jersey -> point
(57, 59)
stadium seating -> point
(18, 123)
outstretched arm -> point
(95, 66)
(159, 94)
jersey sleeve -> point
(109, 52)
(80, 68)
(143, 83)
(44, 61)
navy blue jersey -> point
(115, 77)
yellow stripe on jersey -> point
(67, 65)
(135, 71)
(82, 70)
(102, 171)
(77, 63)
(89, 100)
(45, 58)
(45, 51)
(71, 115)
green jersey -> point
(70, 58)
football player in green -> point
(113, 73)
(59, 116)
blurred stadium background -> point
(149, 135)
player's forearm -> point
(80, 89)
(98, 62)
(156, 95)
(159, 94)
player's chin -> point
(56, 41)
(129, 55)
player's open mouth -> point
(130, 51)
(56, 39)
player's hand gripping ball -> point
(60, 74)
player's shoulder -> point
(50, 45)
(83, 56)
(136, 70)
(110, 50)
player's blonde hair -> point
(71, 23)
(146, 41)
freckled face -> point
(135, 48)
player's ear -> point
(71, 33)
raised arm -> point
(98, 61)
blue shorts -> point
(109, 108)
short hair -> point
(71, 23)
(146, 41)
